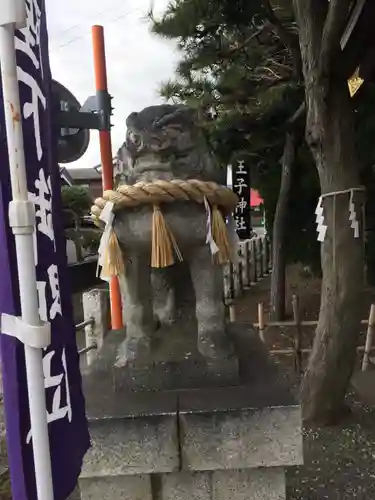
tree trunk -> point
(330, 134)
(292, 141)
(277, 295)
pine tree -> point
(241, 60)
(330, 129)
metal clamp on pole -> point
(21, 216)
(34, 336)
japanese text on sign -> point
(28, 46)
(241, 186)
(28, 42)
(59, 409)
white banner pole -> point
(30, 329)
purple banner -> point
(68, 426)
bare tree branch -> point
(289, 39)
(337, 17)
(271, 72)
(296, 116)
(280, 65)
(251, 37)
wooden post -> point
(241, 265)
(228, 285)
(258, 250)
(261, 322)
(269, 265)
(297, 335)
(265, 255)
(240, 276)
(247, 265)
(236, 278)
(253, 254)
(370, 334)
(232, 313)
(260, 254)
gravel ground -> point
(339, 461)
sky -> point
(137, 61)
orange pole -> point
(105, 142)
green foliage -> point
(91, 240)
(239, 69)
(199, 20)
(234, 61)
(76, 199)
(76, 204)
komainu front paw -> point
(133, 349)
(215, 345)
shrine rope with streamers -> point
(216, 199)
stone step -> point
(239, 428)
(132, 433)
(196, 430)
(257, 484)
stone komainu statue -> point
(164, 147)
(165, 141)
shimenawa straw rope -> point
(164, 246)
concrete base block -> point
(269, 437)
(133, 446)
(249, 484)
(116, 488)
(186, 486)
(95, 307)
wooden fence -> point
(297, 350)
(253, 264)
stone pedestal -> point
(174, 363)
(183, 437)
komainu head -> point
(165, 142)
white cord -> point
(344, 191)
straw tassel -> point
(164, 245)
(113, 262)
(220, 236)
